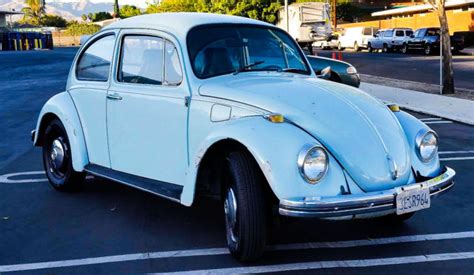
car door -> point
(146, 108)
(418, 40)
(88, 84)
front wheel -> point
(244, 208)
(428, 49)
(385, 48)
(57, 159)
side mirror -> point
(375, 35)
(325, 73)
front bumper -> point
(360, 204)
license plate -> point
(412, 200)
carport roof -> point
(419, 8)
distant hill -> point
(69, 10)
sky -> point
(138, 3)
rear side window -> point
(399, 33)
(409, 33)
(388, 34)
(142, 60)
(94, 63)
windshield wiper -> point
(294, 70)
(244, 68)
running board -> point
(163, 189)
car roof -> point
(180, 23)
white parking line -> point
(430, 118)
(224, 251)
(438, 122)
(6, 178)
(455, 152)
(336, 264)
(456, 158)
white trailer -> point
(307, 22)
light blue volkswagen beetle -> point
(186, 105)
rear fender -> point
(62, 107)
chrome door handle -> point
(114, 96)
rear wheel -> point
(57, 159)
(356, 47)
(244, 208)
(369, 47)
(404, 48)
(339, 47)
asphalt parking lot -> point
(412, 67)
(109, 228)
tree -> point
(84, 17)
(448, 79)
(116, 13)
(33, 12)
(75, 28)
(100, 16)
(265, 10)
(129, 11)
(51, 20)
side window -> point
(388, 34)
(141, 60)
(173, 71)
(421, 33)
(399, 33)
(94, 63)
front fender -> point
(411, 126)
(275, 147)
(62, 106)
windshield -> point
(221, 49)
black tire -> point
(385, 48)
(428, 49)
(246, 234)
(356, 47)
(369, 47)
(404, 48)
(60, 175)
(339, 47)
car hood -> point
(358, 130)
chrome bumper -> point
(360, 204)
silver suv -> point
(389, 39)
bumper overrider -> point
(361, 204)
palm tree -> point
(116, 9)
(34, 11)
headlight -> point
(427, 145)
(313, 163)
(351, 70)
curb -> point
(455, 109)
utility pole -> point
(333, 13)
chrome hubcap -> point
(57, 154)
(230, 209)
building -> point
(460, 15)
(5, 18)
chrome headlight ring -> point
(426, 142)
(313, 163)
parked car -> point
(427, 39)
(355, 38)
(329, 44)
(341, 71)
(389, 39)
(184, 105)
